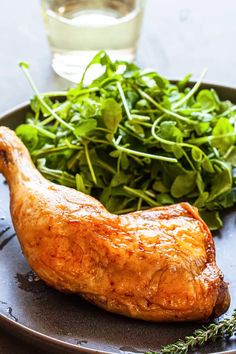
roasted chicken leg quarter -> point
(156, 265)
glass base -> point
(71, 64)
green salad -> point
(134, 140)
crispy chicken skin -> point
(156, 265)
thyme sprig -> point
(222, 329)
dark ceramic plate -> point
(36, 312)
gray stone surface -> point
(178, 37)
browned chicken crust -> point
(156, 265)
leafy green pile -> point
(134, 140)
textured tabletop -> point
(178, 37)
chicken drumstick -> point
(156, 265)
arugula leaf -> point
(85, 127)
(184, 82)
(159, 186)
(29, 135)
(201, 200)
(231, 156)
(164, 199)
(223, 134)
(80, 183)
(207, 100)
(111, 114)
(221, 184)
(212, 219)
(183, 184)
(169, 131)
(119, 179)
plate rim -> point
(43, 339)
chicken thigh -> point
(156, 265)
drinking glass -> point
(78, 29)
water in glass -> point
(77, 29)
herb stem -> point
(106, 166)
(144, 154)
(159, 106)
(90, 164)
(191, 92)
(164, 141)
(122, 95)
(169, 142)
(24, 67)
(140, 194)
(230, 110)
(140, 117)
(130, 132)
(85, 91)
(53, 150)
(125, 211)
(54, 94)
(44, 132)
(207, 139)
(57, 175)
(57, 109)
